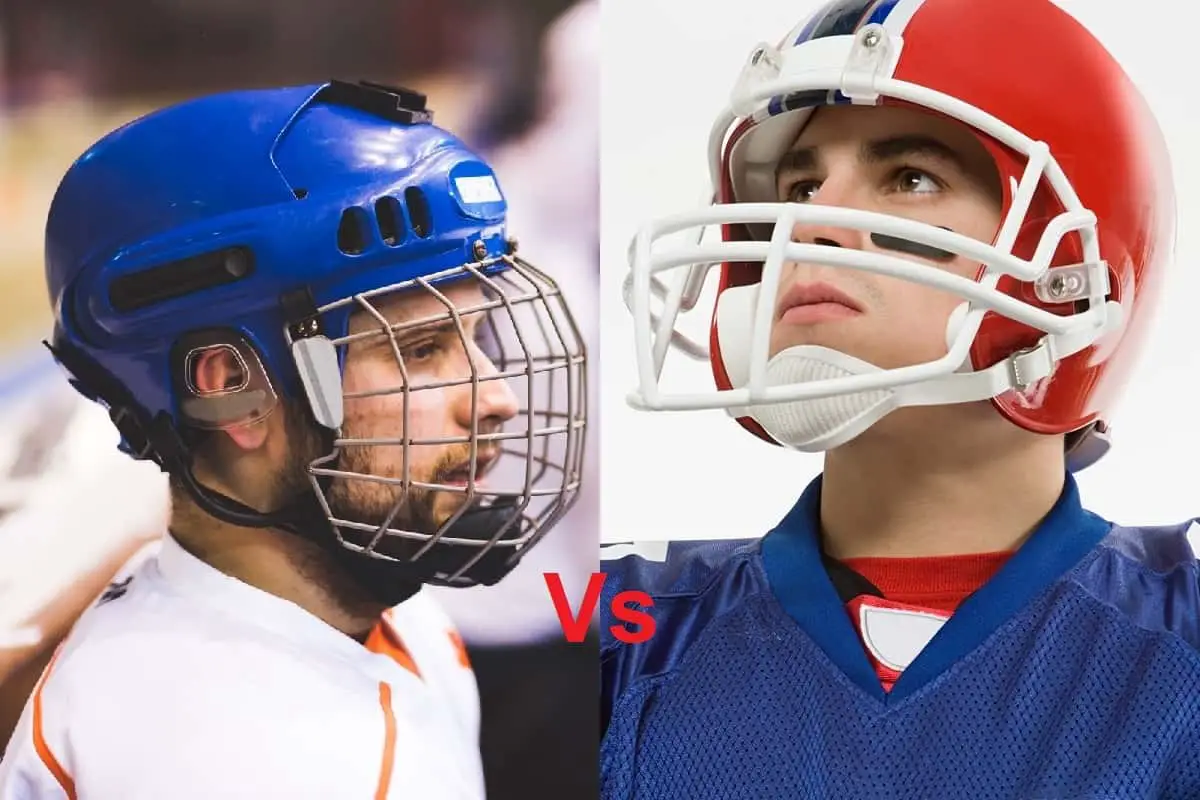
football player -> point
(942, 229)
(303, 304)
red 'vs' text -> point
(575, 624)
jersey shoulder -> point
(141, 666)
(684, 587)
(1150, 574)
(113, 677)
(663, 568)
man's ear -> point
(220, 370)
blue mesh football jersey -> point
(1072, 673)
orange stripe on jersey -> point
(39, 738)
(457, 641)
(384, 640)
(389, 742)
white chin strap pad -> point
(809, 425)
(828, 422)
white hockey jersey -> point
(182, 683)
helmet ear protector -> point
(157, 438)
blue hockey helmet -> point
(261, 222)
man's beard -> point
(356, 498)
(369, 502)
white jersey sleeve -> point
(29, 770)
(183, 683)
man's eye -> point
(802, 191)
(423, 351)
(915, 181)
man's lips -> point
(806, 303)
(462, 475)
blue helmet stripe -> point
(880, 13)
(839, 18)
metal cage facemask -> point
(512, 478)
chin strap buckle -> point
(1027, 367)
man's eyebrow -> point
(877, 150)
(443, 326)
(375, 335)
(438, 327)
(909, 145)
(800, 160)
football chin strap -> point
(824, 423)
(820, 424)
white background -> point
(667, 69)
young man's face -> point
(893, 161)
(434, 353)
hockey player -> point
(303, 305)
(943, 227)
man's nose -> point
(834, 193)
(495, 400)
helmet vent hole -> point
(176, 279)
(418, 211)
(352, 231)
(390, 219)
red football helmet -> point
(1050, 325)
